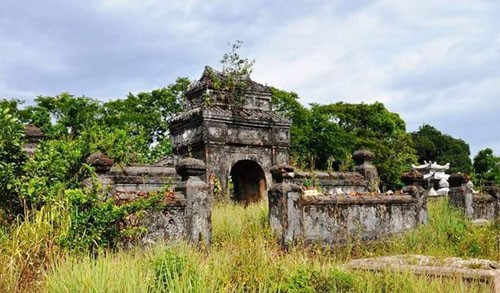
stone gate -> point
(239, 144)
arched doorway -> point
(249, 182)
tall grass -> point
(245, 256)
(126, 271)
(29, 247)
(448, 234)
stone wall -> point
(128, 182)
(333, 219)
(483, 205)
(186, 204)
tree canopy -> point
(325, 136)
(432, 145)
(487, 166)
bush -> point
(95, 221)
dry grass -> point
(244, 256)
(29, 247)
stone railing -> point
(127, 182)
(332, 219)
(333, 183)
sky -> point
(433, 62)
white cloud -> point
(435, 62)
(432, 63)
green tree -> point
(287, 104)
(147, 112)
(432, 145)
(487, 166)
(63, 115)
(343, 128)
(330, 133)
(12, 159)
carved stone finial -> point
(32, 133)
(412, 177)
(101, 162)
(281, 173)
(361, 156)
(456, 180)
(364, 166)
(190, 167)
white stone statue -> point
(433, 172)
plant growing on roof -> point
(230, 85)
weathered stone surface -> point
(32, 137)
(198, 201)
(475, 205)
(412, 177)
(257, 96)
(188, 167)
(469, 269)
(333, 219)
(33, 133)
(186, 213)
(364, 166)
(334, 183)
(101, 162)
(456, 180)
(225, 136)
(419, 193)
(136, 179)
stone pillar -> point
(198, 202)
(32, 137)
(420, 194)
(468, 198)
(460, 195)
(413, 186)
(101, 164)
(494, 190)
(363, 160)
(284, 210)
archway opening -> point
(249, 181)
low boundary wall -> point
(335, 219)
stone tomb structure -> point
(475, 205)
(344, 208)
(239, 144)
(243, 149)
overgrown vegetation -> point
(229, 86)
(245, 257)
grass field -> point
(244, 257)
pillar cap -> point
(101, 162)
(363, 155)
(279, 172)
(190, 167)
(456, 180)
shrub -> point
(95, 221)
